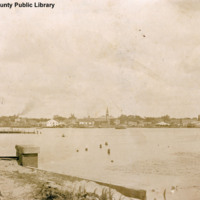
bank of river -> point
(152, 159)
(22, 183)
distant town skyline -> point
(137, 57)
(106, 115)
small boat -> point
(120, 126)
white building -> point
(86, 122)
(52, 123)
(162, 124)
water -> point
(142, 158)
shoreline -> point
(26, 183)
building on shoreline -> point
(105, 121)
(86, 123)
(99, 122)
(52, 123)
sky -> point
(138, 57)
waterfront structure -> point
(104, 121)
(72, 121)
(52, 123)
(188, 122)
(27, 155)
(86, 123)
(132, 124)
(162, 124)
(115, 121)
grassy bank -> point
(21, 183)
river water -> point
(152, 159)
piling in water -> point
(108, 151)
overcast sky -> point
(134, 57)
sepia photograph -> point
(99, 100)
